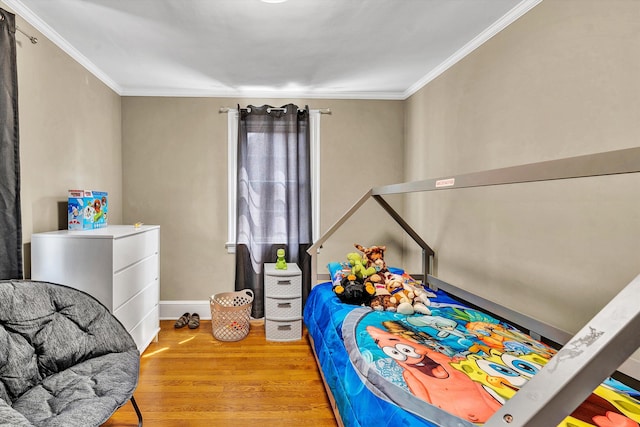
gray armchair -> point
(64, 359)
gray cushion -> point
(65, 360)
(9, 417)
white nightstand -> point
(283, 302)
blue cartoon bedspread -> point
(430, 370)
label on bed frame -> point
(449, 182)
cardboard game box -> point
(87, 209)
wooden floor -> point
(188, 378)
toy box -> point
(87, 209)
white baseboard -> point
(172, 310)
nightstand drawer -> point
(283, 330)
(282, 286)
(283, 308)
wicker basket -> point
(230, 315)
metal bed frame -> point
(586, 358)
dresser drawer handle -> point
(284, 328)
(284, 282)
(284, 305)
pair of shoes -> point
(193, 320)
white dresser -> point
(282, 303)
(119, 265)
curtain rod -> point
(320, 110)
(33, 39)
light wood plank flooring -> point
(188, 378)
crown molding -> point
(523, 7)
(276, 94)
(27, 14)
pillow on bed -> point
(338, 270)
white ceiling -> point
(367, 49)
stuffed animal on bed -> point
(410, 296)
(382, 301)
(373, 257)
(394, 292)
(353, 290)
(358, 267)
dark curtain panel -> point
(273, 194)
(10, 223)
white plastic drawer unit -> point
(119, 265)
(283, 303)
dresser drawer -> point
(283, 330)
(131, 249)
(282, 286)
(147, 330)
(282, 308)
(134, 310)
(130, 281)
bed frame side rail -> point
(601, 346)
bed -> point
(364, 355)
(358, 372)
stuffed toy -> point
(353, 290)
(410, 296)
(358, 267)
(281, 263)
(421, 301)
(401, 296)
(378, 284)
(383, 303)
(373, 257)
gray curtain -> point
(10, 224)
(273, 194)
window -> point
(232, 150)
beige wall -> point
(70, 135)
(175, 175)
(561, 81)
